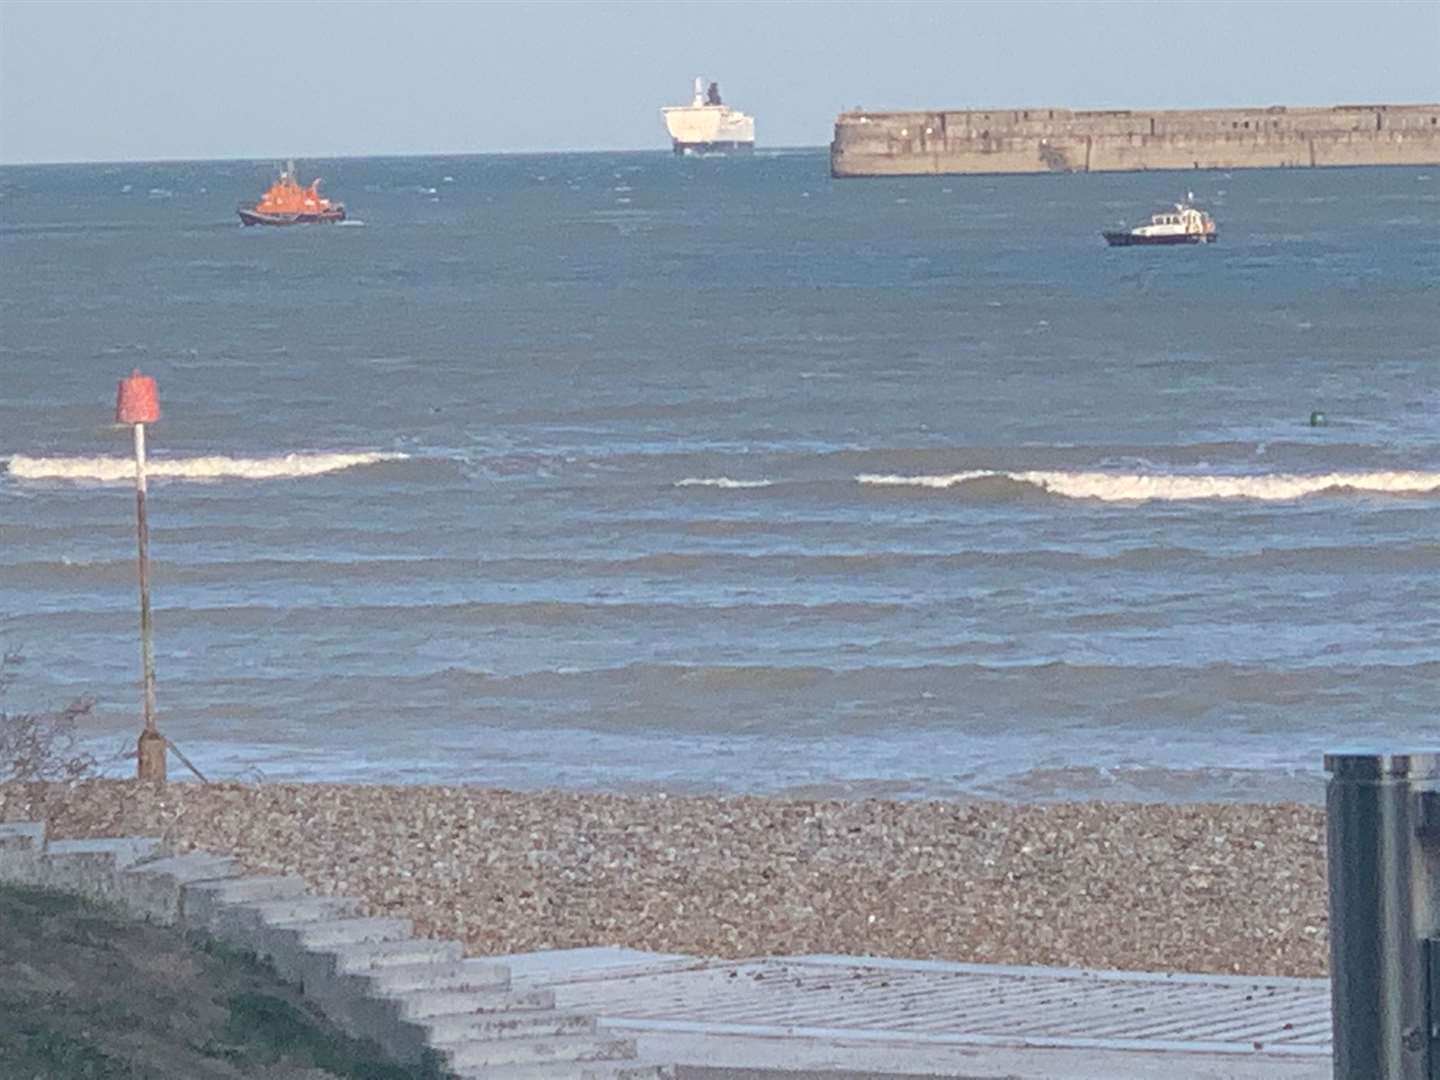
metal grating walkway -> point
(858, 999)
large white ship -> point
(707, 124)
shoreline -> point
(1228, 888)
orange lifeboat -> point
(287, 203)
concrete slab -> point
(522, 1051)
(152, 889)
(202, 901)
(299, 909)
(595, 1070)
(454, 975)
(598, 961)
(585, 1070)
(122, 851)
(90, 867)
(22, 836)
(420, 1004)
(879, 1016)
(735, 1058)
(448, 1030)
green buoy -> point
(1317, 419)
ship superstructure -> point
(1186, 224)
(288, 203)
(707, 124)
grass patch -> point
(47, 1054)
(88, 994)
(266, 1029)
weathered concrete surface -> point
(153, 889)
(1123, 140)
(877, 1017)
(804, 1059)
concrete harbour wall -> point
(1123, 140)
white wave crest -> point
(943, 481)
(720, 482)
(111, 470)
(1139, 487)
(1270, 487)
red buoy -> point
(138, 401)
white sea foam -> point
(109, 470)
(1161, 487)
(942, 481)
(720, 482)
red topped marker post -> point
(138, 403)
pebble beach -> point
(1224, 888)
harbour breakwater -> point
(1123, 140)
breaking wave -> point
(110, 470)
(1136, 487)
(720, 482)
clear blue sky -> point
(86, 81)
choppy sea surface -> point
(620, 471)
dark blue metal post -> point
(1384, 866)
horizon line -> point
(361, 157)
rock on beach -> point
(1231, 888)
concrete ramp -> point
(861, 1016)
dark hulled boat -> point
(287, 203)
(1183, 225)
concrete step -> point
(253, 887)
(192, 867)
(324, 933)
(271, 927)
(21, 847)
(90, 867)
(117, 852)
(299, 950)
(298, 909)
(152, 890)
(570, 1070)
(453, 975)
(423, 1004)
(22, 836)
(376, 956)
(467, 1024)
(199, 901)
(568, 1048)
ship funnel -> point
(699, 90)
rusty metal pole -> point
(136, 404)
(152, 743)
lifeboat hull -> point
(256, 217)
(1129, 239)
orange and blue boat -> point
(288, 203)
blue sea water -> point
(625, 471)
